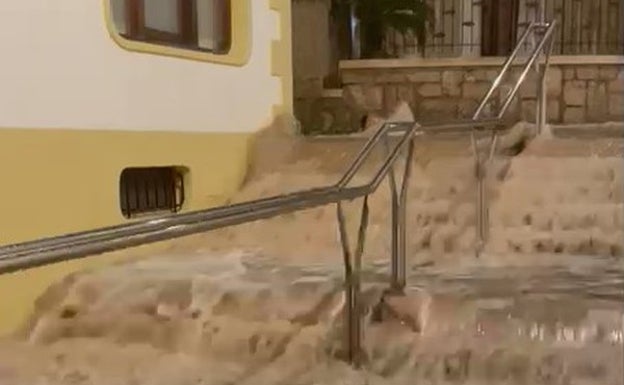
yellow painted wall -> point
(93, 105)
(59, 181)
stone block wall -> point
(577, 92)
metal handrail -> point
(501, 75)
(533, 26)
(546, 30)
(85, 244)
(534, 55)
(214, 213)
(235, 209)
(72, 246)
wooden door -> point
(499, 27)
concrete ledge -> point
(580, 131)
(474, 62)
(594, 130)
(332, 93)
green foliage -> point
(376, 16)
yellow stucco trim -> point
(240, 50)
(281, 56)
(61, 181)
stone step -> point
(604, 216)
(567, 168)
(498, 340)
(557, 191)
(527, 240)
(440, 212)
(528, 326)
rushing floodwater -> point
(263, 303)
(244, 320)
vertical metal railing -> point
(542, 34)
(398, 196)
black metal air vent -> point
(148, 190)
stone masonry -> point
(577, 93)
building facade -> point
(111, 110)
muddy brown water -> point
(262, 303)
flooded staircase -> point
(246, 319)
(562, 196)
(263, 302)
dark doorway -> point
(500, 26)
(340, 40)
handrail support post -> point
(541, 120)
(398, 210)
(353, 271)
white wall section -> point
(65, 71)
